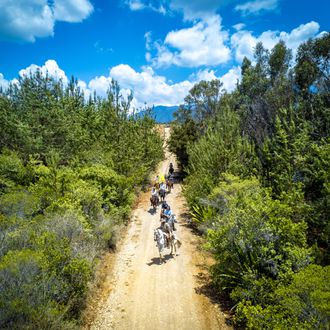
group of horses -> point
(164, 239)
(161, 189)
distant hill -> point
(162, 114)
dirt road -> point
(147, 295)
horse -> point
(172, 240)
(154, 200)
(162, 194)
(169, 185)
(159, 237)
(171, 220)
(171, 169)
(173, 243)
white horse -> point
(159, 237)
(173, 243)
(171, 221)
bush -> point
(303, 304)
(253, 239)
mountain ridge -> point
(163, 114)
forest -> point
(70, 169)
(257, 181)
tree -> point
(279, 61)
(303, 304)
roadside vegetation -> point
(69, 172)
(257, 165)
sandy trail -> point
(147, 295)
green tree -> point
(303, 304)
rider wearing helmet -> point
(167, 230)
(171, 169)
(164, 207)
(154, 192)
(167, 213)
(169, 217)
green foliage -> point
(69, 171)
(257, 164)
(279, 61)
(200, 105)
(181, 136)
(253, 238)
(317, 173)
(284, 153)
(304, 304)
(12, 170)
(26, 299)
(221, 149)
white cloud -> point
(191, 9)
(148, 57)
(230, 78)
(300, 34)
(243, 42)
(198, 9)
(148, 38)
(83, 86)
(149, 87)
(50, 67)
(26, 20)
(157, 6)
(100, 48)
(202, 44)
(72, 10)
(206, 74)
(136, 5)
(100, 85)
(3, 82)
(239, 26)
(257, 6)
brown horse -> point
(154, 200)
(162, 194)
(169, 185)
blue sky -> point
(157, 48)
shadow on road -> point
(209, 290)
(156, 261)
(152, 210)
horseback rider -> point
(167, 230)
(154, 192)
(162, 186)
(167, 213)
(169, 183)
(162, 191)
(171, 169)
(164, 207)
(169, 217)
(154, 199)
